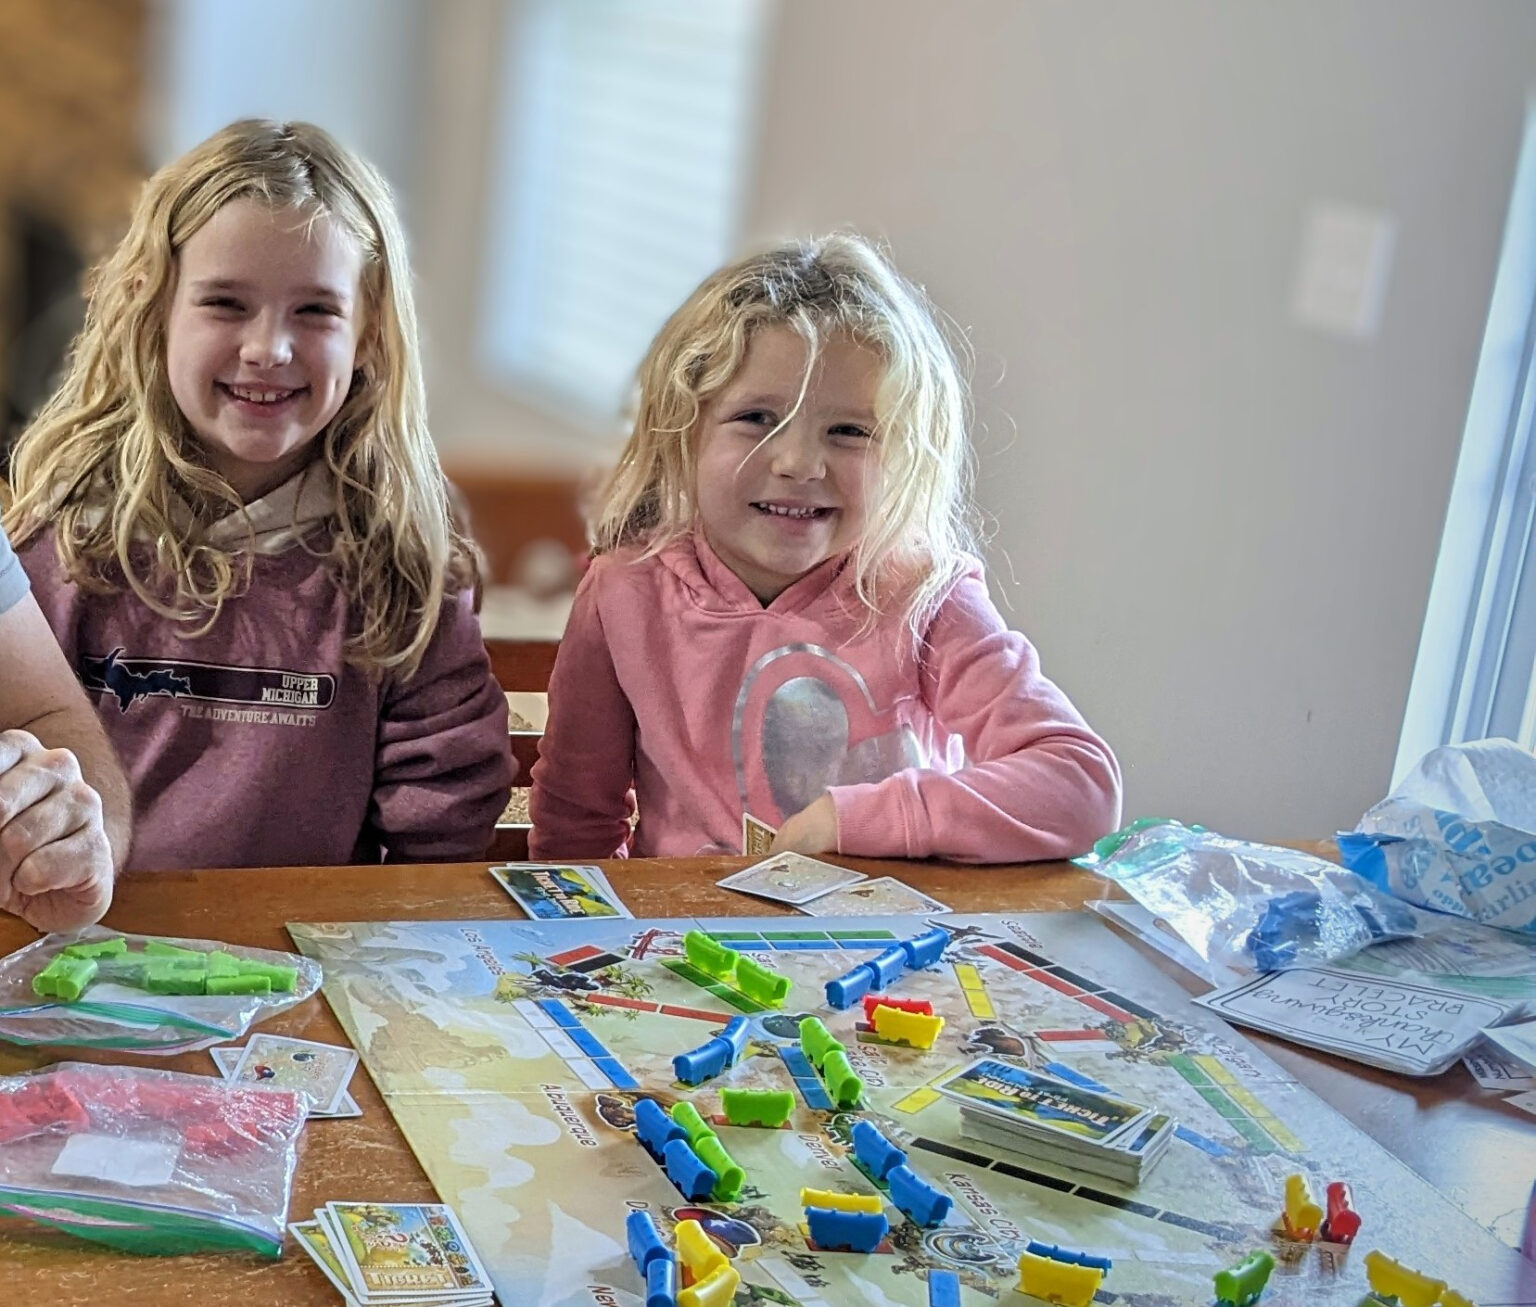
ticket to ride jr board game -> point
(774, 1111)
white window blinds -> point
(623, 134)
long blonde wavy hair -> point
(917, 530)
(113, 465)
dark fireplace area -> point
(71, 158)
(42, 314)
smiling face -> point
(773, 511)
(262, 338)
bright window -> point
(623, 134)
(1474, 674)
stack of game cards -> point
(1054, 1121)
(393, 1254)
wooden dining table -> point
(1466, 1142)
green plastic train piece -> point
(1242, 1284)
(694, 1126)
(158, 968)
(709, 956)
(816, 1041)
(843, 1086)
(103, 948)
(765, 1107)
(65, 978)
(760, 984)
(728, 1176)
(159, 948)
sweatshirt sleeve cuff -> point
(870, 823)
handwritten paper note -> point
(1419, 1030)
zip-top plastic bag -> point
(1458, 835)
(149, 1161)
(97, 988)
(1246, 907)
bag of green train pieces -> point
(97, 988)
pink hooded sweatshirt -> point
(673, 679)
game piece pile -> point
(391, 1253)
(151, 1162)
(1055, 1121)
(97, 988)
(160, 968)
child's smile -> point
(262, 338)
(774, 510)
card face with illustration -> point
(312, 1239)
(318, 1071)
(227, 1058)
(791, 878)
(551, 892)
(756, 836)
(885, 896)
(405, 1249)
(1041, 1103)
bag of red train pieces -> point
(215, 1121)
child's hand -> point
(811, 830)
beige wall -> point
(1218, 526)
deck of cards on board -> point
(391, 1254)
(1052, 1120)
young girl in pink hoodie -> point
(783, 619)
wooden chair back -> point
(522, 669)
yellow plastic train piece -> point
(1391, 1278)
(841, 1202)
(1450, 1298)
(1303, 1216)
(1065, 1283)
(906, 1027)
(717, 1289)
(697, 1251)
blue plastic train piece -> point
(943, 1289)
(702, 1063)
(693, 1179)
(1058, 1254)
(711, 1058)
(654, 1128)
(661, 1284)
(645, 1241)
(735, 1035)
(847, 990)
(876, 1154)
(925, 949)
(918, 1200)
(888, 966)
(856, 1232)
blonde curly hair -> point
(111, 462)
(918, 529)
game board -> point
(511, 1053)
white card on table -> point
(791, 878)
(318, 1071)
(227, 1058)
(884, 896)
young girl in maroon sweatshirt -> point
(233, 516)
